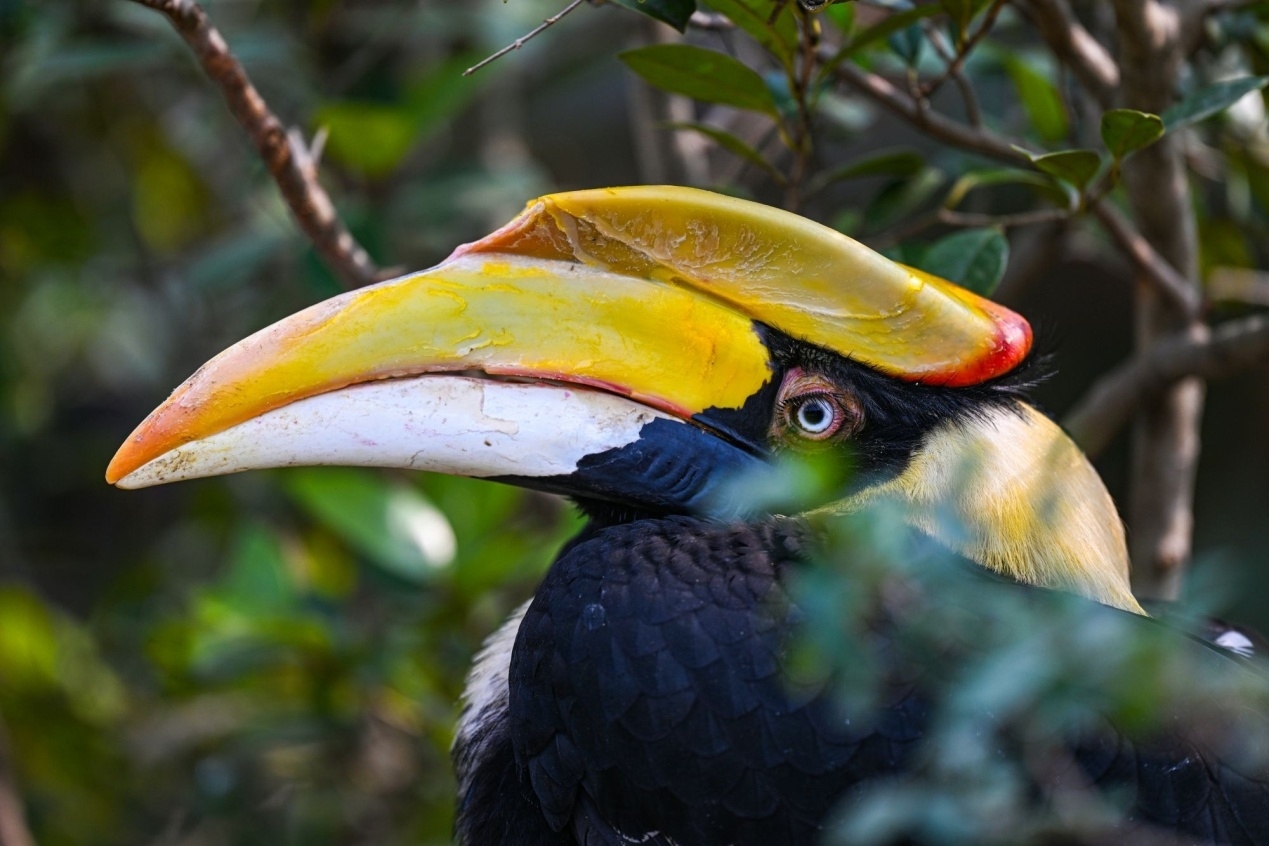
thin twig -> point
(958, 61)
(1029, 218)
(884, 93)
(292, 166)
(1166, 277)
(526, 38)
(800, 85)
(973, 112)
(1076, 47)
(1116, 396)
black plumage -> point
(651, 701)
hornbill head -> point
(634, 348)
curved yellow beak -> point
(650, 293)
(503, 315)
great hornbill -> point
(635, 348)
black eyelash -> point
(784, 405)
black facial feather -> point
(898, 415)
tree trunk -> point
(1165, 438)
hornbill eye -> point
(816, 416)
(811, 409)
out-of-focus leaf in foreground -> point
(391, 523)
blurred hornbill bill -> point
(635, 349)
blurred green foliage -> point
(1013, 678)
(270, 659)
(277, 658)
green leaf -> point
(440, 93)
(1039, 97)
(878, 31)
(794, 484)
(911, 253)
(974, 259)
(733, 145)
(902, 197)
(392, 524)
(779, 36)
(1125, 131)
(1003, 176)
(1211, 100)
(897, 162)
(1077, 167)
(848, 221)
(843, 16)
(374, 137)
(1223, 243)
(257, 581)
(962, 13)
(701, 74)
(889, 26)
(673, 12)
(28, 641)
(907, 44)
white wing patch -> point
(483, 721)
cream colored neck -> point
(1011, 491)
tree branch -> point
(986, 143)
(1027, 218)
(958, 61)
(526, 38)
(289, 161)
(884, 93)
(973, 111)
(1165, 277)
(1075, 46)
(1115, 397)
